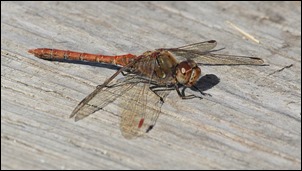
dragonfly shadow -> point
(95, 64)
(206, 82)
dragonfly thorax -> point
(187, 73)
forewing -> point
(201, 54)
(218, 59)
(201, 46)
(193, 50)
(221, 59)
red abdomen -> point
(56, 54)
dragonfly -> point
(148, 79)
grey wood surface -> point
(252, 120)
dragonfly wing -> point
(142, 108)
(100, 97)
(193, 50)
(218, 59)
(200, 47)
(201, 54)
(221, 59)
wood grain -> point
(252, 120)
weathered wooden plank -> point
(252, 120)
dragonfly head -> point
(187, 73)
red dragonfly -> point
(148, 79)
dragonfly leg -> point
(125, 73)
(201, 92)
(183, 96)
(155, 89)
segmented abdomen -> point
(56, 54)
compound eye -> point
(184, 67)
(183, 72)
